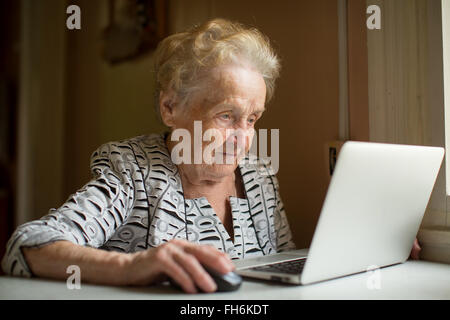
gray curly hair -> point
(183, 57)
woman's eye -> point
(251, 120)
(225, 116)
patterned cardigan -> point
(135, 201)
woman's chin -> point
(219, 170)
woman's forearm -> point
(178, 259)
(96, 266)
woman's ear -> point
(166, 108)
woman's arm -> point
(96, 266)
(178, 259)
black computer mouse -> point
(225, 282)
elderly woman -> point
(143, 218)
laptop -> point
(372, 212)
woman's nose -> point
(242, 124)
(238, 137)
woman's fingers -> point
(195, 270)
(211, 257)
(164, 257)
(182, 261)
(415, 250)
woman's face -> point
(228, 106)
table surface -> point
(410, 280)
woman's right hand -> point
(180, 260)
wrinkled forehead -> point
(235, 85)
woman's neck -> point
(195, 185)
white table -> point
(411, 280)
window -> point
(409, 59)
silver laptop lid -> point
(373, 208)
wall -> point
(41, 109)
(9, 83)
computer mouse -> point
(225, 282)
(230, 281)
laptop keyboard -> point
(289, 267)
